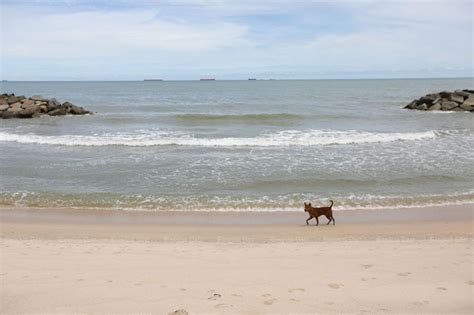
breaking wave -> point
(286, 138)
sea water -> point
(238, 146)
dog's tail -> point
(332, 202)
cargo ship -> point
(207, 79)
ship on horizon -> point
(207, 79)
(152, 79)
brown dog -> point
(315, 212)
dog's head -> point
(307, 206)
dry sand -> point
(70, 261)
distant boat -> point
(207, 79)
(153, 80)
(251, 79)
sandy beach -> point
(378, 261)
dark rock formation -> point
(12, 106)
(457, 101)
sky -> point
(235, 39)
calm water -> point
(238, 145)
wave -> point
(214, 203)
(286, 138)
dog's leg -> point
(329, 218)
(317, 220)
(307, 223)
(333, 221)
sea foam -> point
(286, 138)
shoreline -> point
(413, 223)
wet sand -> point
(390, 261)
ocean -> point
(238, 146)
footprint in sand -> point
(266, 295)
(236, 295)
(291, 290)
(182, 289)
(470, 282)
(179, 312)
(223, 305)
(269, 302)
(404, 274)
(441, 288)
(215, 296)
(294, 300)
(367, 266)
(335, 285)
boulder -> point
(436, 106)
(3, 108)
(53, 104)
(16, 106)
(422, 107)
(8, 114)
(13, 99)
(448, 105)
(58, 112)
(469, 101)
(76, 110)
(428, 99)
(468, 104)
(456, 98)
(27, 102)
(29, 110)
(412, 105)
(462, 93)
(36, 98)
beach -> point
(415, 260)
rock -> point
(76, 110)
(422, 107)
(27, 102)
(36, 98)
(448, 105)
(53, 104)
(58, 112)
(429, 99)
(456, 98)
(412, 105)
(8, 114)
(36, 106)
(436, 106)
(13, 99)
(16, 106)
(469, 101)
(468, 104)
(462, 93)
(459, 100)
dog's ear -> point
(309, 204)
(305, 204)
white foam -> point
(161, 138)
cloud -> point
(86, 34)
(185, 38)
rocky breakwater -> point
(12, 106)
(457, 101)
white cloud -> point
(86, 34)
